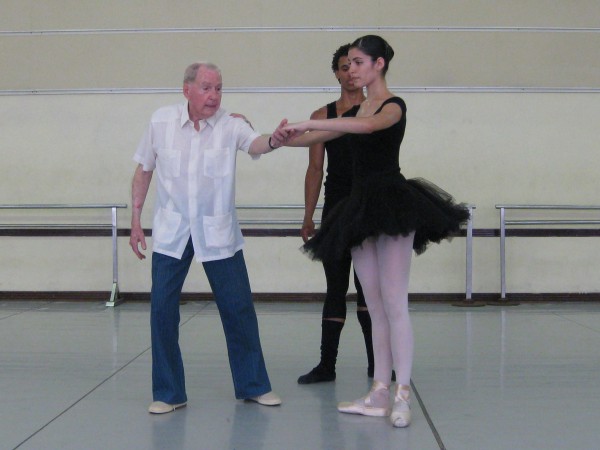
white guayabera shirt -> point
(195, 178)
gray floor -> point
(77, 376)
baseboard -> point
(303, 297)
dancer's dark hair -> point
(342, 51)
(376, 47)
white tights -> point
(383, 267)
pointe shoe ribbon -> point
(375, 404)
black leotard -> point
(382, 201)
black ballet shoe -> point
(318, 375)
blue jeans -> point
(228, 279)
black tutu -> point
(387, 204)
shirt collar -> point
(212, 120)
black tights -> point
(334, 309)
(334, 314)
(337, 276)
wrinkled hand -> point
(280, 136)
(308, 230)
(136, 238)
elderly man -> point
(192, 146)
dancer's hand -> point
(308, 229)
(298, 127)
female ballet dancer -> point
(383, 220)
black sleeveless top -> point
(338, 181)
(383, 202)
(378, 152)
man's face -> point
(343, 74)
(204, 94)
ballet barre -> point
(277, 224)
(522, 222)
(65, 229)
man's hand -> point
(279, 136)
(137, 237)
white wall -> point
(495, 115)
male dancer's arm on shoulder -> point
(243, 117)
(313, 180)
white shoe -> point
(375, 404)
(401, 415)
(268, 399)
(163, 408)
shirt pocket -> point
(170, 161)
(166, 224)
(218, 231)
(217, 162)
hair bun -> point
(389, 52)
(376, 47)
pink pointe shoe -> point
(401, 415)
(376, 403)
